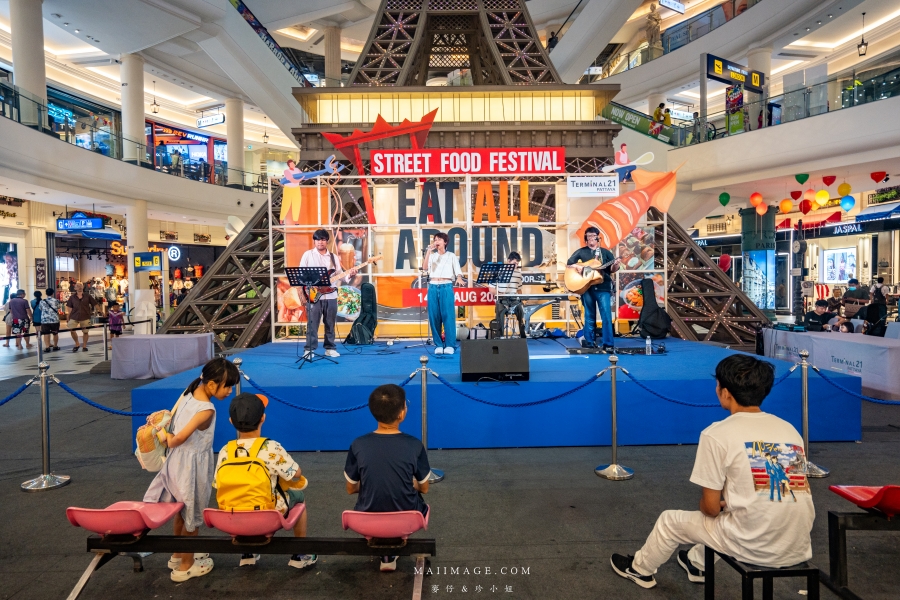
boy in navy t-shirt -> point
(388, 468)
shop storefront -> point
(84, 123)
(186, 153)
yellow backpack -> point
(243, 481)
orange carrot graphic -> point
(617, 217)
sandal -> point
(198, 569)
(174, 563)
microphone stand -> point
(428, 340)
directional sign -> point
(79, 222)
(733, 73)
(147, 261)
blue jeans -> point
(442, 311)
(591, 299)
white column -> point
(654, 100)
(134, 141)
(234, 126)
(35, 246)
(759, 59)
(137, 235)
(704, 103)
(30, 74)
(333, 56)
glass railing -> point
(840, 92)
(671, 39)
(20, 106)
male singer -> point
(326, 307)
(598, 294)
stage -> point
(684, 372)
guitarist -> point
(599, 293)
(325, 309)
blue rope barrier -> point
(521, 404)
(408, 379)
(305, 408)
(122, 413)
(782, 378)
(860, 396)
(14, 394)
(668, 399)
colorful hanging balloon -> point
(822, 197)
(725, 262)
(805, 206)
(847, 203)
(762, 208)
(755, 199)
(801, 178)
(829, 179)
(796, 194)
(844, 189)
(809, 194)
(878, 176)
(786, 205)
(724, 198)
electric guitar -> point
(578, 283)
(312, 293)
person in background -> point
(597, 297)
(116, 321)
(659, 112)
(36, 311)
(667, 118)
(552, 41)
(854, 298)
(21, 318)
(846, 327)
(81, 307)
(504, 306)
(819, 318)
(50, 320)
(177, 166)
(835, 302)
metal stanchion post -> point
(436, 474)
(47, 480)
(812, 470)
(238, 362)
(614, 471)
(105, 341)
(40, 345)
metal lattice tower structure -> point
(231, 300)
(704, 303)
(415, 39)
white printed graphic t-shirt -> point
(758, 460)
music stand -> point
(495, 273)
(309, 277)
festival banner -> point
(734, 109)
(475, 161)
(640, 122)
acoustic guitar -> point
(312, 293)
(578, 283)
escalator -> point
(672, 135)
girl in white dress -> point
(187, 474)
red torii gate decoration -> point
(349, 146)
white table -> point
(876, 360)
(158, 356)
(893, 330)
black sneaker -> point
(586, 344)
(609, 349)
(694, 574)
(622, 566)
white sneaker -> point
(249, 559)
(308, 354)
(332, 353)
(301, 561)
(449, 350)
(439, 350)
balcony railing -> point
(22, 107)
(672, 38)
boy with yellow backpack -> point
(256, 473)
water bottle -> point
(648, 347)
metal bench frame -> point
(751, 572)
(136, 547)
(839, 523)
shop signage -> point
(462, 297)
(61, 115)
(728, 240)
(174, 253)
(733, 73)
(40, 272)
(847, 229)
(117, 249)
(79, 222)
(672, 5)
(593, 186)
(682, 115)
(4, 214)
(147, 261)
(533, 278)
(637, 121)
(216, 119)
(476, 161)
(182, 133)
(885, 195)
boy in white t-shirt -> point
(756, 504)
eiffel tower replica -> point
(413, 43)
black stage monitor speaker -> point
(505, 360)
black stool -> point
(751, 572)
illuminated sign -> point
(729, 72)
(475, 161)
(147, 261)
(181, 133)
(61, 115)
(79, 222)
(593, 186)
(174, 253)
(216, 119)
(672, 5)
